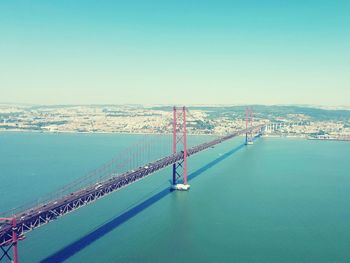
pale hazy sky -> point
(183, 52)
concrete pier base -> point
(181, 187)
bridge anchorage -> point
(180, 139)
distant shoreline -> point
(304, 137)
(98, 132)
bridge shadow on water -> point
(78, 245)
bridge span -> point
(31, 218)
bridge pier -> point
(5, 248)
(180, 138)
(174, 144)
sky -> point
(175, 52)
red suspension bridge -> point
(117, 174)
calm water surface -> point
(280, 200)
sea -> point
(279, 200)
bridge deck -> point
(35, 217)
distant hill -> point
(271, 112)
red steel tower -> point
(249, 125)
(180, 142)
(13, 243)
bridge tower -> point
(180, 142)
(5, 248)
(248, 124)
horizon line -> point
(319, 106)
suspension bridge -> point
(108, 179)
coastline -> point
(100, 132)
(302, 136)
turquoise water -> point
(280, 200)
